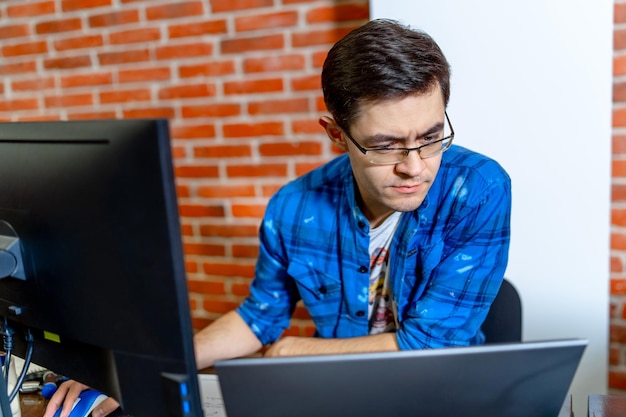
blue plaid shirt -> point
(447, 259)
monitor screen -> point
(91, 259)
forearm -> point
(298, 346)
(228, 337)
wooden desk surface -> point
(607, 405)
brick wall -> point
(617, 347)
(238, 79)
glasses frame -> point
(364, 150)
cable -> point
(29, 354)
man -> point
(400, 243)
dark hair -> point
(378, 61)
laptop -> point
(529, 379)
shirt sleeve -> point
(273, 296)
(460, 274)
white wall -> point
(531, 87)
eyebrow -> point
(372, 141)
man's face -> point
(403, 123)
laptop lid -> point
(528, 379)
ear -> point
(334, 132)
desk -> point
(607, 405)
(33, 405)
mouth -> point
(409, 188)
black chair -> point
(504, 320)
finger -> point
(105, 408)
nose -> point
(412, 165)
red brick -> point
(619, 91)
(189, 210)
(260, 170)
(67, 63)
(135, 36)
(618, 241)
(88, 79)
(206, 287)
(290, 149)
(187, 91)
(149, 113)
(619, 13)
(211, 69)
(197, 171)
(79, 42)
(124, 57)
(229, 230)
(618, 287)
(175, 10)
(212, 110)
(69, 100)
(184, 51)
(219, 6)
(339, 13)
(619, 39)
(222, 151)
(619, 117)
(35, 84)
(306, 126)
(122, 17)
(31, 9)
(276, 63)
(19, 104)
(618, 217)
(28, 48)
(226, 191)
(254, 86)
(617, 266)
(193, 132)
(219, 306)
(619, 168)
(245, 251)
(619, 144)
(204, 249)
(238, 269)
(295, 105)
(319, 37)
(14, 31)
(125, 96)
(144, 74)
(257, 43)
(18, 68)
(619, 65)
(242, 130)
(58, 26)
(211, 27)
(266, 21)
(248, 210)
(72, 5)
(618, 193)
(91, 115)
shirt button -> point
(322, 290)
(363, 269)
(360, 313)
(361, 224)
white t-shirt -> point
(380, 309)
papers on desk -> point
(212, 402)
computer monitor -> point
(91, 259)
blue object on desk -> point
(84, 405)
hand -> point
(66, 395)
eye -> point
(431, 138)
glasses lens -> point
(436, 148)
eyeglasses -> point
(385, 155)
